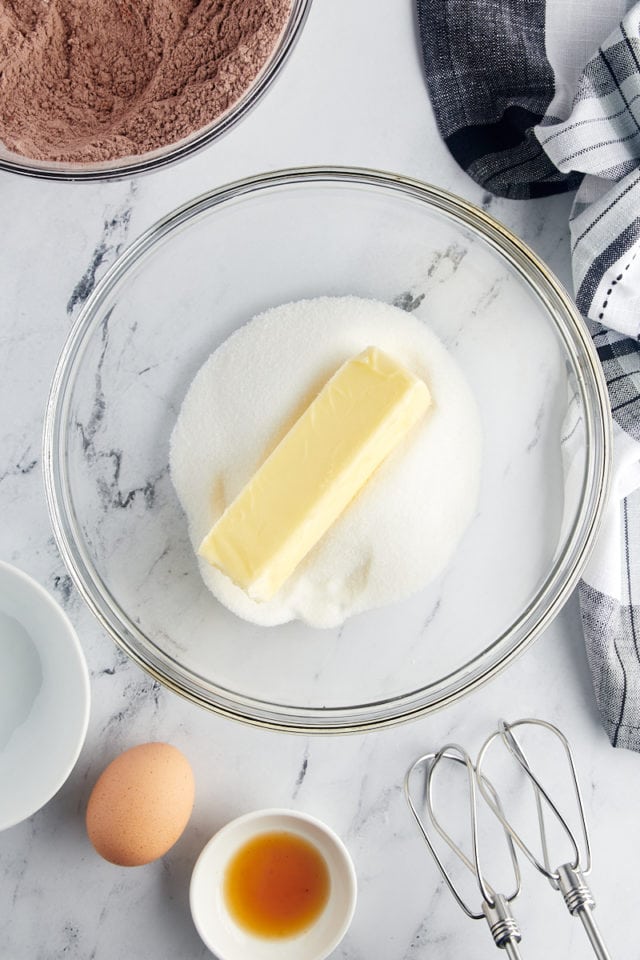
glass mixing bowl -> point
(143, 163)
(180, 290)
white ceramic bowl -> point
(44, 697)
(210, 914)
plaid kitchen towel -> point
(535, 97)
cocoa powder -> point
(92, 80)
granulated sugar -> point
(84, 81)
(403, 527)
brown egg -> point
(140, 804)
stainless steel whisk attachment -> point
(568, 878)
(495, 907)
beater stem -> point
(579, 901)
(503, 926)
(512, 951)
(593, 933)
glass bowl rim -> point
(542, 607)
(171, 153)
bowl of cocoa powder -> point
(112, 88)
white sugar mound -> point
(403, 527)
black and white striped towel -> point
(535, 97)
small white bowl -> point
(44, 696)
(213, 921)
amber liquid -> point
(276, 885)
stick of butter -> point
(315, 471)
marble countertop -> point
(352, 93)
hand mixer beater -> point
(495, 907)
(568, 878)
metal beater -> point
(568, 878)
(495, 907)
